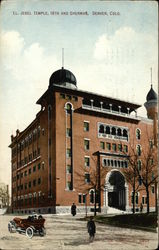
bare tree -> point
(95, 180)
(142, 176)
(4, 196)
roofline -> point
(83, 92)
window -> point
(152, 189)
(34, 168)
(102, 145)
(119, 131)
(140, 181)
(25, 186)
(68, 132)
(68, 154)
(75, 98)
(138, 149)
(87, 178)
(151, 143)
(114, 147)
(68, 185)
(68, 97)
(139, 165)
(86, 126)
(34, 183)
(144, 200)
(125, 148)
(108, 130)
(39, 180)
(80, 198)
(39, 166)
(120, 147)
(87, 161)
(138, 134)
(84, 198)
(136, 198)
(68, 169)
(113, 131)
(86, 144)
(29, 170)
(62, 96)
(108, 145)
(101, 129)
(29, 184)
(91, 195)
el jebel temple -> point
(79, 148)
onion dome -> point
(63, 77)
(151, 95)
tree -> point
(88, 178)
(4, 195)
(142, 170)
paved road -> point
(67, 233)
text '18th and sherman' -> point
(68, 13)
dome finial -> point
(151, 76)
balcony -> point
(110, 112)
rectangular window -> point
(87, 178)
(39, 181)
(120, 147)
(34, 168)
(62, 96)
(68, 97)
(125, 148)
(84, 198)
(102, 145)
(86, 126)
(108, 145)
(86, 144)
(69, 185)
(68, 132)
(39, 166)
(152, 189)
(87, 161)
(29, 170)
(114, 147)
(34, 183)
(80, 198)
(68, 153)
(75, 98)
(143, 200)
(68, 169)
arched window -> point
(119, 164)
(119, 131)
(108, 130)
(113, 131)
(138, 134)
(68, 108)
(108, 162)
(138, 149)
(104, 162)
(125, 133)
(112, 163)
(101, 129)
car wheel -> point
(29, 232)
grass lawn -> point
(138, 221)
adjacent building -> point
(75, 133)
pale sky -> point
(109, 54)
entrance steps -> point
(112, 210)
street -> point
(66, 232)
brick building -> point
(76, 132)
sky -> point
(110, 49)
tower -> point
(151, 107)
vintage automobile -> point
(30, 226)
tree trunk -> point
(95, 204)
(148, 205)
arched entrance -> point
(115, 190)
